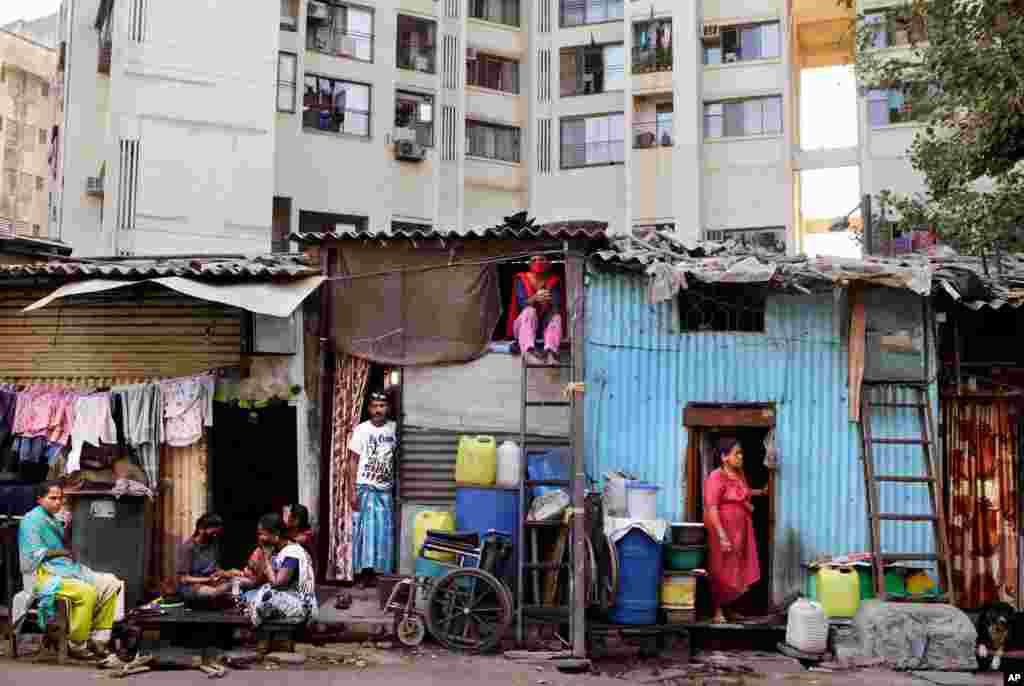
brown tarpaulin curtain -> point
(405, 307)
(982, 444)
(350, 382)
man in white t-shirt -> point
(371, 452)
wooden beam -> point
(575, 267)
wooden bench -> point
(208, 629)
(56, 634)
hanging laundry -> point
(93, 424)
(142, 413)
(188, 408)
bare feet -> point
(531, 357)
(553, 359)
(719, 618)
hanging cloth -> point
(350, 382)
(142, 413)
(93, 424)
(983, 533)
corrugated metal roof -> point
(202, 267)
(559, 230)
(642, 372)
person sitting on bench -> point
(290, 593)
(200, 578)
(91, 595)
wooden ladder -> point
(922, 407)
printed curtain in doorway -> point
(350, 382)
(982, 444)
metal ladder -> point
(937, 517)
(537, 610)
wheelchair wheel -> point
(410, 631)
(469, 610)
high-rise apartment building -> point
(226, 126)
(28, 113)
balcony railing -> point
(646, 60)
(106, 51)
(352, 44)
(417, 58)
(595, 153)
(653, 134)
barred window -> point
(707, 308)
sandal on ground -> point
(129, 670)
(80, 653)
(719, 620)
(111, 662)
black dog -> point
(995, 632)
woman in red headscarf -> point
(537, 306)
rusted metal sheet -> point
(724, 415)
(263, 267)
(184, 497)
(143, 334)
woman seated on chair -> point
(92, 596)
(290, 591)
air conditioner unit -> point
(731, 57)
(94, 185)
(410, 151)
(711, 30)
(317, 11)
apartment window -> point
(652, 46)
(415, 112)
(39, 184)
(287, 81)
(416, 44)
(336, 106)
(580, 12)
(650, 133)
(497, 11)
(106, 43)
(891, 31)
(493, 141)
(342, 30)
(588, 69)
(738, 118)
(44, 88)
(1, 123)
(42, 136)
(742, 43)
(289, 15)
(593, 141)
(496, 73)
(903, 104)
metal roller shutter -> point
(427, 464)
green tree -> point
(969, 57)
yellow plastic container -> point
(839, 591)
(919, 582)
(477, 461)
(678, 590)
(437, 521)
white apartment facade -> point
(226, 126)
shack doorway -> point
(751, 425)
(254, 463)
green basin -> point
(683, 558)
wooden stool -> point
(56, 633)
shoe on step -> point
(531, 357)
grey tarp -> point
(408, 302)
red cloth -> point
(731, 573)
(549, 284)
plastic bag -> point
(551, 505)
(552, 465)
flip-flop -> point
(213, 671)
(111, 662)
(719, 620)
(129, 671)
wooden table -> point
(206, 629)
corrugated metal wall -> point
(641, 373)
(136, 333)
(427, 464)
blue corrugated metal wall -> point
(641, 373)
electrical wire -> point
(507, 259)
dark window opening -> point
(737, 309)
(281, 225)
(327, 222)
(506, 283)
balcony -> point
(650, 60)
(417, 58)
(355, 45)
(106, 51)
(653, 133)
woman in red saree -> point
(733, 565)
(536, 306)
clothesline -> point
(49, 421)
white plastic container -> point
(642, 500)
(614, 498)
(807, 627)
(510, 464)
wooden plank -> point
(551, 577)
(856, 352)
(575, 269)
(725, 415)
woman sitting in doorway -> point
(733, 566)
(300, 531)
(290, 591)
